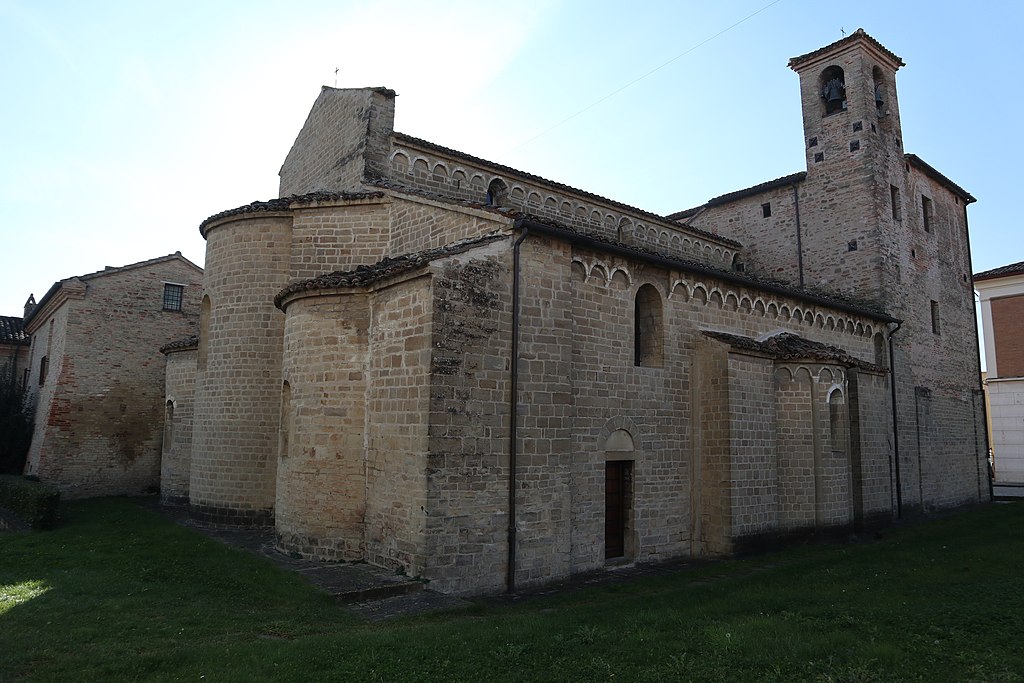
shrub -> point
(15, 421)
(31, 502)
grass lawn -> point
(118, 593)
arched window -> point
(837, 423)
(833, 89)
(648, 328)
(876, 77)
(204, 332)
(497, 193)
(169, 426)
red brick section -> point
(1006, 316)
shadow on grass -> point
(118, 592)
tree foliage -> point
(15, 420)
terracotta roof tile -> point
(561, 186)
(856, 36)
(286, 203)
(1001, 271)
(12, 331)
(789, 346)
(386, 267)
(186, 344)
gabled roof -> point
(109, 270)
(508, 170)
(1001, 271)
(12, 331)
(789, 346)
(728, 197)
(929, 171)
(857, 36)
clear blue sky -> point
(124, 124)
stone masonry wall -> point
(397, 406)
(321, 473)
(344, 138)
(176, 456)
(467, 469)
(238, 382)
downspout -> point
(513, 409)
(895, 421)
(799, 236)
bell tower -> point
(854, 154)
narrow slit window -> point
(935, 317)
(926, 213)
(766, 210)
(894, 196)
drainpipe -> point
(799, 237)
(895, 420)
(513, 409)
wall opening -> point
(168, 426)
(926, 213)
(648, 328)
(497, 193)
(833, 89)
(876, 77)
(618, 484)
(895, 203)
(935, 317)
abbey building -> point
(444, 366)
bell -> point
(833, 91)
(878, 97)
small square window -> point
(819, 157)
(813, 142)
(935, 317)
(173, 295)
(851, 245)
(855, 145)
(858, 126)
(766, 210)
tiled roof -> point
(1001, 271)
(185, 344)
(12, 331)
(856, 36)
(561, 186)
(916, 161)
(784, 181)
(286, 203)
(386, 267)
(789, 346)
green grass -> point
(118, 593)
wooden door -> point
(615, 508)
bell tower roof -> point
(857, 38)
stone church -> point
(458, 370)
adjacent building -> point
(1002, 317)
(97, 376)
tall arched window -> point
(876, 77)
(169, 426)
(648, 328)
(837, 423)
(833, 89)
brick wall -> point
(99, 425)
(238, 381)
(1007, 313)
